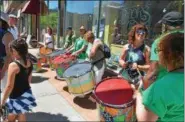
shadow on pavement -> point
(42, 71)
(42, 116)
(38, 79)
(85, 102)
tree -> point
(49, 20)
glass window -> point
(79, 13)
(117, 17)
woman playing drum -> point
(49, 39)
(136, 54)
(96, 55)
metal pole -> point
(59, 22)
(48, 3)
(99, 17)
(64, 3)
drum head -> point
(56, 52)
(63, 59)
(114, 91)
(77, 70)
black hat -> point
(69, 28)
(172, 19)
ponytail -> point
(24, 58)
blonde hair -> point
(89, 35)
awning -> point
(35, 7)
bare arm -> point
(147, 59)
(7, 39)
(151, 74)
(13, 69)
(143, 114)
(84, 47)
(94, 49)
(122, 62)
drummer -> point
(49, 39)
(80, 46)
(70, 38)
(96, 55)
(136, 51)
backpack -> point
(106, 51)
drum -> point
(132, 75)
(63, 62)
(114, 96)
(36, 63)
(51, 57)
(44, 51)
(80, 78)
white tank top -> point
(48, 38)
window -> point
(117, 18)
(79, 13)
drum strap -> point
(48, 42)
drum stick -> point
(139, 72)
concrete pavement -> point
(51, 106)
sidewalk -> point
(51, 106)
(84, 107)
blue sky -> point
(73, 6)
(77, 6)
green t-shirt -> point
(154, 55)
(79, 43)
(69, 41)
(165, 97)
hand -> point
(74, 54)
(149, 79)
(134, 66)
(124, 65)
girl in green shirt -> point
(164, 99)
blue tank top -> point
(135, 55)
(2, 46)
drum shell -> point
(81, 85)
(45, 51)
(37, 66)
(52, 56)
(61, 67)
(116, 113)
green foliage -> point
(49, 20)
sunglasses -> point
(141, 32)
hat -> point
(82, 28)
(69, 28)
(13, 16)
(172, 19)
(4, 16)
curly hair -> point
(131, 34)
(172, 48)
